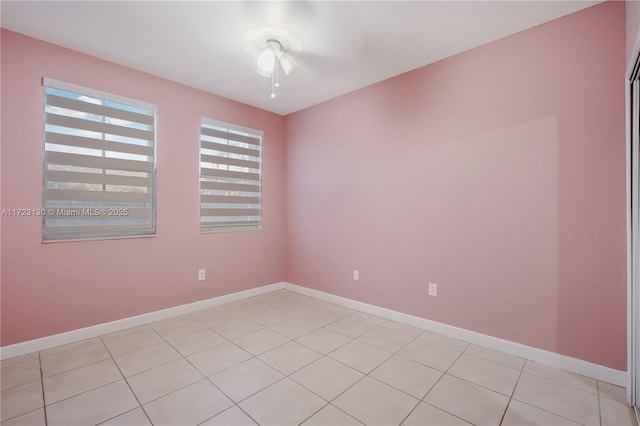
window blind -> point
(230, 177)
(99, 164)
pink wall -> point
(498, 174)
(51, 288)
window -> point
(230, 178)
(99, 164)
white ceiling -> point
(347, 44)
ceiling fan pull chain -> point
(273, 85)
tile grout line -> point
(85, 391)
(41, 380)
(549, 412)
(459, 378)
(315, 412)
(436, 384)
(482, 386)
(284, 376)
(128, 385)
(190, 333)
(147, 328)
(227, 409)
(330, 402)
(337, 408)
(76, 368)
(208, 379)
(351, 339)
(22, 384)
(559, 382)
(420, 400)
(513, 391)
(44, 403)
(234, 403)
(121, 414)
(177, 389)
(404, 419)
(20, 362)
(70, 349)
(522, 372)
(492, 361)
(391, 386)
(599, 405)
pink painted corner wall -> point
(498, 173)
(52, 288)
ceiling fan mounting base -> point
(258, 39)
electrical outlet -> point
(433, 289)
(201, 274)
(356, 275)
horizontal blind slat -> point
(207, 226)
(229, 161)
(95, 178)
(229, 148)
(66, 159)
(97, 109)
(51, 232)
(229, 174)
(229, 136)
(224, 186)
(102, 196)
(229, 199)
(95, 126)
(102, 144)
(229, 212)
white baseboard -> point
(553, 359)
(72, 336)
(585, 368)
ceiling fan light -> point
(288, 63)
(265, 73)
(266, 62)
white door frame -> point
(632, 96)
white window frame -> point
(228, 226)
(99, 219)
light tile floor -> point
(287, 359)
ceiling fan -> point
(275, 49)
